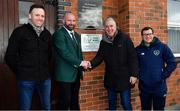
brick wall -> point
(131, 16)
(153, 13)
(173, 96)
(148, 13)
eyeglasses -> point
(147, 34)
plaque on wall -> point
(90, 14)
(90, 42)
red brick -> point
(131, 17)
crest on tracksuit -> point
(156, 52)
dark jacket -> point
(28, 55)
(156, 63)
(120, 61)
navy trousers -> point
(149, 101)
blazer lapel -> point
(69, 38)
(77, 39)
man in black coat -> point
(28, 55)
(121, 65)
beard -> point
(70, 27)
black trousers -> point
(68, 95)
(149, 101)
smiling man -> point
(28, 55)
(156, 63)
(68, 64)
(121, 65)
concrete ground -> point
(173, 108)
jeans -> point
(125, 99)
(148, 99)
(25, 93)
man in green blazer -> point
(68, 64)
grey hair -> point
(109, 19)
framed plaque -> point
(24, 11)
(90, 14)
(90, 42)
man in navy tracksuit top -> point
(156, 63)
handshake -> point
(86, 64)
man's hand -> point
(133, 80)
(85, 64)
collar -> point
(36, 27)
(108, 39)
(69, 31)
(154, 41)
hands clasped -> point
(133, 80)
(86, 64)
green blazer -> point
(68, 56)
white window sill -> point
(177, 54)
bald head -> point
(69, 21)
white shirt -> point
(69, 32)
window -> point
(174, 26)
(24, 10)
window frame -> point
(171, 25)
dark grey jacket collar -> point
(107, 39)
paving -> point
(173, 108)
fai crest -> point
(156, 52)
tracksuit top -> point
(156, 63)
